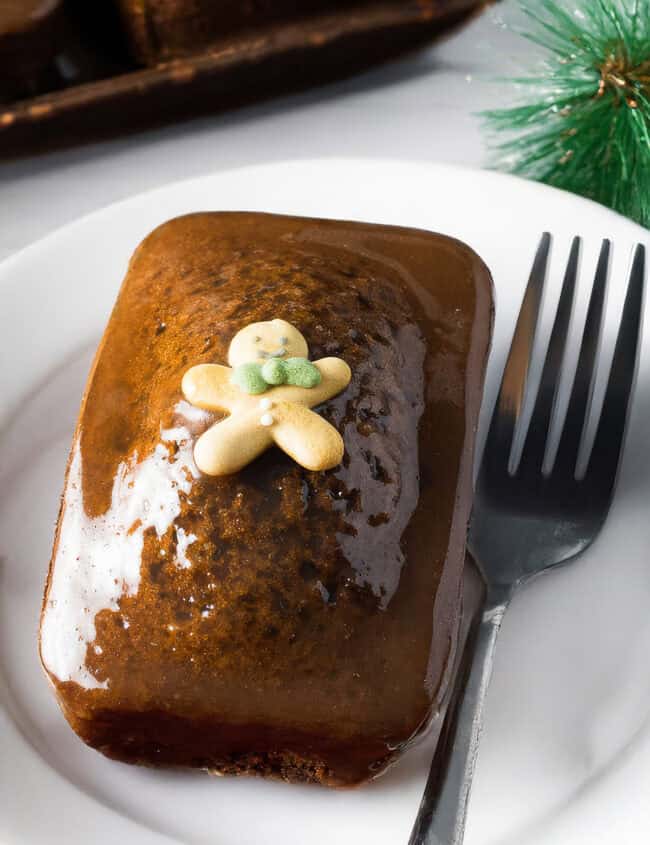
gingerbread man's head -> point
(260, 342)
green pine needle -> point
(583, 124)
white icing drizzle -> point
(191, 413)
(183, 540)
(98, 559)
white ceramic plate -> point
(565, 757)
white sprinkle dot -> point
(265, 404)
(98, 649)
(267, 419)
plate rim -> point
(311, 162)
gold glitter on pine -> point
(624, 80)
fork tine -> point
(513, 383)
(536, 438)
(581, 393)
(610, 434)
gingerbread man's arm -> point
(208, 386)
(335, 377)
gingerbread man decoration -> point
(268, 392)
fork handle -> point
(442, 813)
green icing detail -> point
(257, 378)
(249, 378)
(273, 371)
(301, 372)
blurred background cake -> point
(164, 29)
(72, 70)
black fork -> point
(530, 516)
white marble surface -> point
(422, 107)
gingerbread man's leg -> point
(231, 444)
(305, 436)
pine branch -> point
(583, 123)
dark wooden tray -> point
(106, 94)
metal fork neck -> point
(441, 818)
(498, 597)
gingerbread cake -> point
(258, 563)
(163, 30)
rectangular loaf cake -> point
(277, 619)
(160, 30)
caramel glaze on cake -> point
(287, 622)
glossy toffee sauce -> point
(276, 620)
